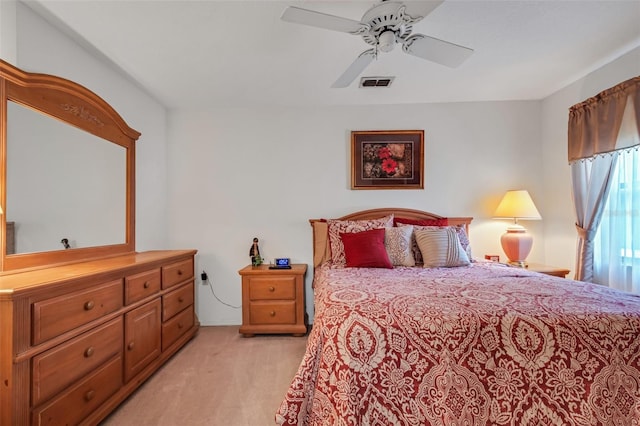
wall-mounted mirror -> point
(68, 185)
(68, 173)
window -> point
(617, 241)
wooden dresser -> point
(273, 300)
(77, 339)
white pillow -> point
(397, 242)
(440, 247)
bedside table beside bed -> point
(273, 300)
(548, 270)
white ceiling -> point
(234, 53)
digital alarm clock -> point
(281, 263)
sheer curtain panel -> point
(617, 242)
(599, 128)
(591, 181)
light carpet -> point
(219, 378)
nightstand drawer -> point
(139, 286)
(57, 368)
(269, 288)
(273, 313)
(58, 315)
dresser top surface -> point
(129, 263)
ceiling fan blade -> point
(435, 50)
(355, 69)
(421, 9)
(322, 20)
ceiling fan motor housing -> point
(388, 24)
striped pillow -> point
(462, 236)
(440, 247)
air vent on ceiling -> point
(376, 81)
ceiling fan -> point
(382, 26)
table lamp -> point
(517, 242)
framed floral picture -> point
(387, 159)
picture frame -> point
(387, 159)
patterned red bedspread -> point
(478, 345)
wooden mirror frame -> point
(77, 106)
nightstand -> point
(549, 270)
(273, 300)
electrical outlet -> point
(203, 277)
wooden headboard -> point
(321, 251)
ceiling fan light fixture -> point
(387, 41)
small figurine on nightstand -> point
(254, 252)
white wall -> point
(239, 173)
(559, 216)
(8, 31)
(227, 175)
(44, 49)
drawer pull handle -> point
(180, 325)
(180, 299)
(147, 284)
(89, 395)
(89, 305)
(179, 271)
(130, 346)
(272, 288)
(88, 352)
(272, 313)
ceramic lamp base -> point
(517, 243)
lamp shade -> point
(517, 242)
(517, 204)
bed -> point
(476, 344)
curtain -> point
(594, 124)
(591, 182)
(594, 135)
(617, 242)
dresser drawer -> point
(176, 327)
(82, 399)
(176, 273)
(273, 313)
(55, 369)
(139, 286)
(176, 301)
(58, 315)
(272, 287)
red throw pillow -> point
(421, 222)
(365, 249)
